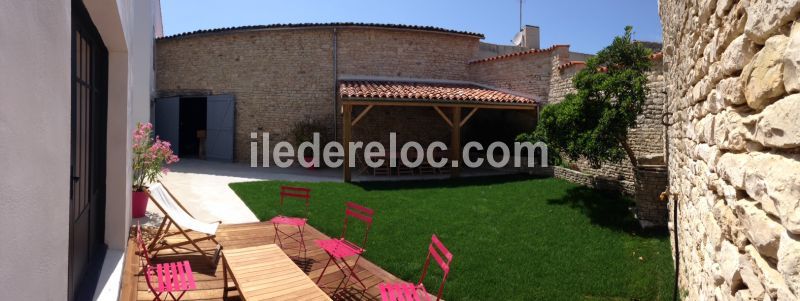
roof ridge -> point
(513, 54)
(326, 24)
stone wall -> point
(646, 140)
(527, 73)
(732, 78)
(650, 184)
(281, 76)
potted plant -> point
(149, 157)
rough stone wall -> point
(650, 184)
(646, 140)
(527, 73)
(282, 76)
(732, 78)
(561, 81)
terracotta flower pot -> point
(138, 203)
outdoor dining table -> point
(266, 273)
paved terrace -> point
(232, 236)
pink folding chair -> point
(415, 292)
(338, 249)
(299, 222)
(171, 277)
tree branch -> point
(624, 143)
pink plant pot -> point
(138, 203)
(309, 159)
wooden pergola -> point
(448, 99)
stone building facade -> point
(731, 71)
(283, 74)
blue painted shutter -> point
(219, 126)
(167, 111)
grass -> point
(513, 238)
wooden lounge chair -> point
(177, 215)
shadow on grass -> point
(444, 183)
(607, 209)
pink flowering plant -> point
(149, 156)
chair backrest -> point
(361, 213)
(176, 212)
(144, 257)
(443, 257)
(300, 193)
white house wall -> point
(35, 117)
(34, 152)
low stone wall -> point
(587, 179)
(651, 181)
(573, 176)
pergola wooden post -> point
(347, 125)
(455, 144)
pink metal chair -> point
(298, 222)
(415, 292)
(171, 277)
(339, 249)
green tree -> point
(593, 123)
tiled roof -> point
(570, 64)
(331, 24)
(427, 91)
(657, 56)
(526, 52)
(654, 57)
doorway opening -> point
(197, 126)
(192, 129)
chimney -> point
(527, 37)
(531, 36)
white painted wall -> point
(143, 75)
(35, 133)
(34, 152)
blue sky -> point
(586, 25)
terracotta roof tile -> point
(526, 52)
(570, 64)
(423, 91)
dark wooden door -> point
(88, 154)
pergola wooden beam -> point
(362, 114)
(454, 121)
(347, 111)
(455, 144)
(469, 115)
(438, 110)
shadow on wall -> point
(607, 209)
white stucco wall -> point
(35, 119)
(142, 44)
(34, 152)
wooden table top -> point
(266, 273)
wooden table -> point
(266, 273)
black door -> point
(88, 154)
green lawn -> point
(512, 238)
